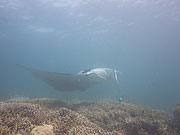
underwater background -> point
(139, 38)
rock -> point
(43, 130)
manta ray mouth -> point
(101, 73)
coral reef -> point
(77, 117)
(129, 119)
(176, 111)
(19, 117)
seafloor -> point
(25, 116)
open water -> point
(140, 38)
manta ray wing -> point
(62, 82)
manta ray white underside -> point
(71, 82)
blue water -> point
(140, 38)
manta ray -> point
(72, 82)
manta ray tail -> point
(59, 81)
